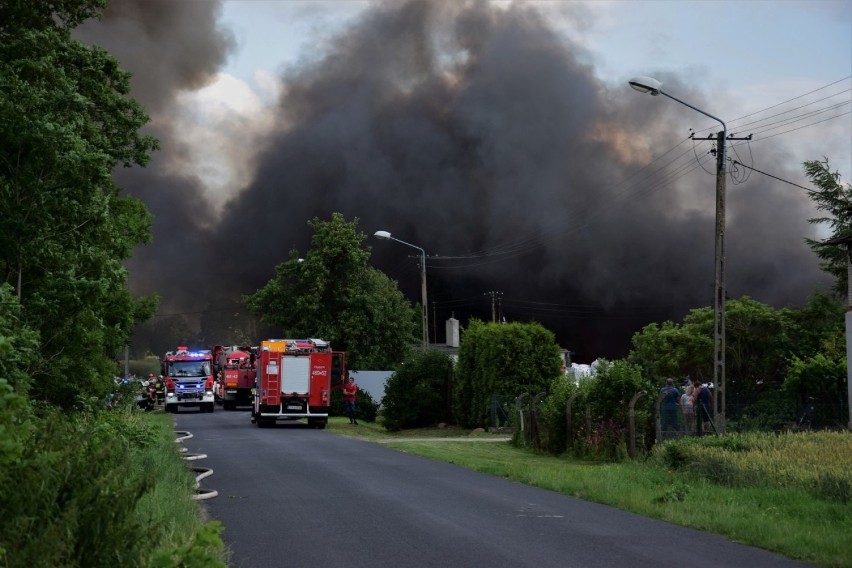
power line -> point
(533, 240)
(770, 175)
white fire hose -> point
(201, 472)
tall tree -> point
(332, 293)
(835, 199)
(66, 121)
(761, 342)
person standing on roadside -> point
(688, 409)
(350, 389)
(669, 408)
(702, 401)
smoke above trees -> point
(478, 133)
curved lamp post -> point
(654, 87)
(384, 235)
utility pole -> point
(719, 371)
(434, 321)
(494, 299)
(654, 87)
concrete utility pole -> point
(494, 299)
(653, 87)
(719, 298)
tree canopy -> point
(761, 341)
(66, 121)
(332, 293)
(835, 200)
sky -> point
(500, 137)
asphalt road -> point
(297, 497)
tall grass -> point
(819, 463)
(101, 488)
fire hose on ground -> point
(200, 472)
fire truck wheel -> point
(317, 423)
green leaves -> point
(65, 123)
(332, 293)
(835, 200)
(418, 393)
(505, 360)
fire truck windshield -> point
(189, 368)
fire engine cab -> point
(189, 379)
(294, 381)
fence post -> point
(631, 423)
(534, 425)
(658, 419)
(568, 419)
(519, 407)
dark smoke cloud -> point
(461, 127)
(170, 47)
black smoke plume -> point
(475, 131)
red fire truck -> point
(294, 380)
(189, 379)
(235, 372)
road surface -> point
(298, 497)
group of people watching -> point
(695, 404)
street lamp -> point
(654, 87)
(384, 235)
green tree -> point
(819, 327)
(835, 199)
(66, 121)
(818, 377)
(759, 342)
(18, 350)
(506, 360)
(333, 294)
(672, 350)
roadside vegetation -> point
(788, 493)
(101, 487)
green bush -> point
(79, 495)
(608, 394)
(771, 412)
(551, 413)
(417, 394)
(70, 499)
(506, 360)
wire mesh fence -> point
(645, 422)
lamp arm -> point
(422, 252)
(717, 119)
